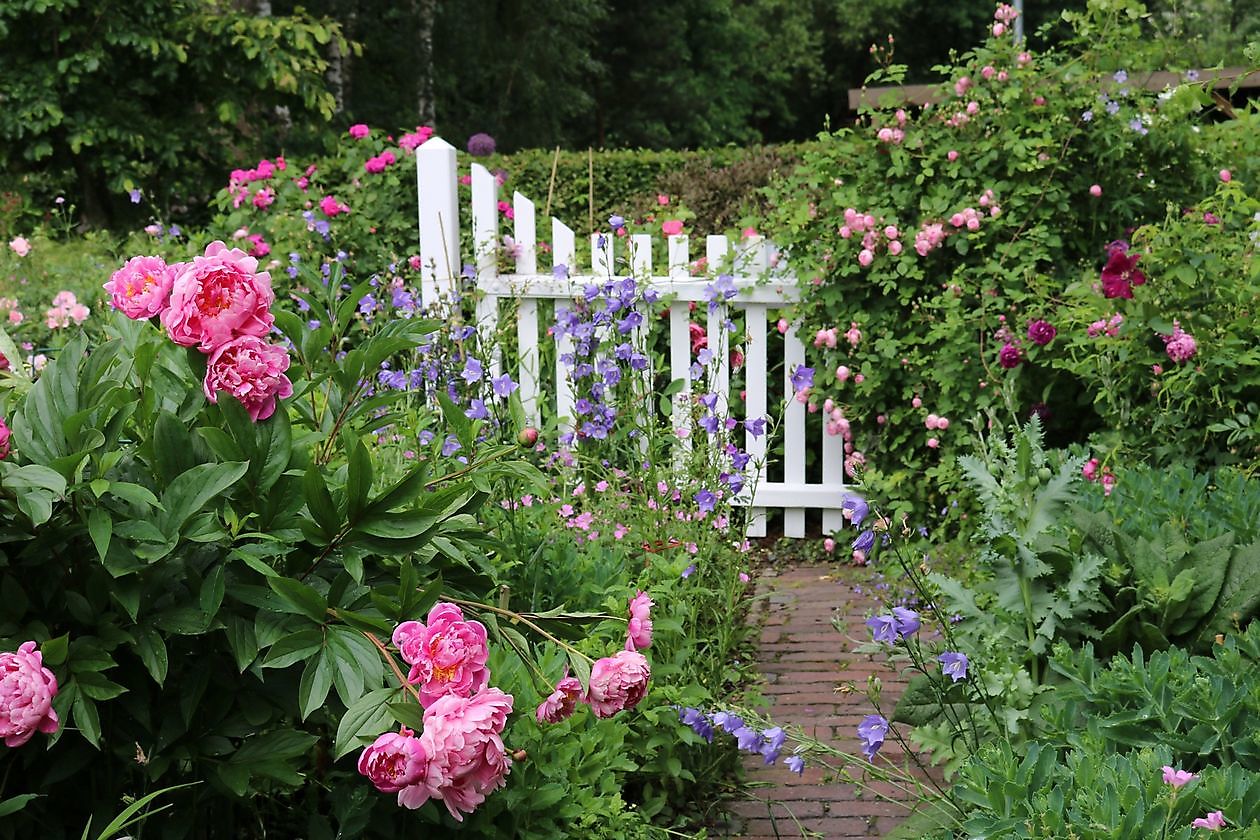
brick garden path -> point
(804, 658)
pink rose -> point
(639, 631)
(672, 228)
(618, 682)
(447, 656)
(20, 245)
(5, 434)
(560, 704)
(462, 737)
(219, 297)
(27, 689)
(251, 370)
(358, 131)
(1226, 176)
(332, 207)
(395, 762)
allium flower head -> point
(481, 144)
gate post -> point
(438, 199)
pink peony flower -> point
(395, 762)
(142, 287)
(1178, 778)
(447, 656)
(218, 297)
(1226, 176)
(1095, 190)
(27, 689)
(5, 434)
(933, 443)
(463, 739)
(1214, 821)
(20, 245)
(358, 131)
(618, 682)
(673, 227)
(560, 704)
(639, 631)
(251, 370)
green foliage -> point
(1091, 794)
(1203, 708)
(1180, 551)
(98, 104)
(933, 325)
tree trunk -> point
(426, 14)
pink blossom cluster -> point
(413, 139)
(1105, 326)
(459, 758)
(27, 689)
(1180, 346)
(240, 179)
(894, 134)
(221, 304)
(837, 424)
(9, 307)
(379, 163)
(873, 236)
(1092, 471)
(929, 238)
(65, 308)
(1004, 16)
(830, 337)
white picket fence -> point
(760, 291)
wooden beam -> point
(889, 96)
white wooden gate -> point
(760, 292)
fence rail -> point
(759, 290)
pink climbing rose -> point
(358, 131)
(639, 631)
(560, 704)
(332, 207)
(251, 370)
(463, 739)
(447, 655)
(218, 297)
(672, 228)
(618, 682)
(142, 287)
(395, 762)
(27, 690)
(1180, 346)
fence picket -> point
(439, 220)
(718, 337)
(755, 374)
(485, 221)
(524, 234)
(832, 476)
(794, 432)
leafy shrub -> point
(1205, 709)
(942, 235)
